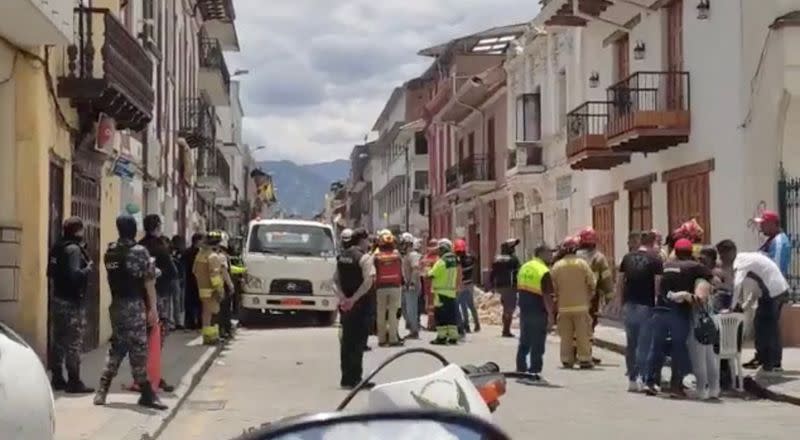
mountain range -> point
(301, 188)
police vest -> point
(58, 270)
(124, 286)
(444, 276)
(503, 269)
(348, 265)
(389, 269)
(530, 276)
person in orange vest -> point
(389, 289)
(431, 257)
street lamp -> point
(594, 80)
(639, 50)
(703, 9)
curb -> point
(750, 383)
(188, 382)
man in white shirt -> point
(767, 275)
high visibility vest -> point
(529, 278)
(389, 269)
(444, 276)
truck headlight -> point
(328, 286)
(253, 282)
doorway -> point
(86, 205)
(56, 212)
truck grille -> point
(291, 287)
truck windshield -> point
(288, 239)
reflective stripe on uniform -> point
(574, 309)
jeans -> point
(178, 308)
(532, 333)
(666, 323)
(639, 335)
(769, 348)
(466, 304)
(411, 308)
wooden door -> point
(688, 198)
(56, 201)
(86, 205)
(674, 55)
(622, 47)
(603, 224)
(640, 210)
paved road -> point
(269, 374)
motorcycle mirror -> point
(401, 425)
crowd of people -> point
(156, 284)
(667, 291)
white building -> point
(650, 116)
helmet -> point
(225, 239)
(406, 237)
(587, 236)
(460, 245)
(346, 235)
(507, 247)
(570, 244)
(417, 244)
(214, 238)
(27, 401)
(691, 230)
(386, 238)
(445, 245)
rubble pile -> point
(490, 309)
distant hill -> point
(301, 188)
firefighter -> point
(208, 269)
(354, 277)
(430, 258)
(604, 287)
(504, 281)
(444, 281)
(574, 286)
(388, 289)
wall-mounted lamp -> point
(594, 80)
(639, 50)
(703, 9)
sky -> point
(320, 71)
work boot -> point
(102, 392)
(507, 327)
(586, 365)
(77, 387)
(477, 326)
(753, 364)
(148, 398)
(58, 381)
(163, 385)
(439, 341)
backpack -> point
(705, 330)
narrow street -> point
(267, 374)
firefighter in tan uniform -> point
(574, 285)
(209, 269)
(604, 287)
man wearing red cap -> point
(604, 287)
(682, 281)
(777, 246)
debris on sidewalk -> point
(490, 309)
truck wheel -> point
(326, 319)
(247, 317)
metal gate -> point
(789, 210)
(56, 211)
(86, 205)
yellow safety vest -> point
(444, 279)
(530, 275)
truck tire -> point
(326, 319)
(248, 318)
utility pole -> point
(408, 188)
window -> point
(603, 223)
(688, 198)
(529, 117)
(471, 144)
(420, 143)
(461, 152)
(561, 225)
(291, 239)
(420, 180)
(640, 211)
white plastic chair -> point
(728, 324)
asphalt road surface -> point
(268, 374)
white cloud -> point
(321, 70)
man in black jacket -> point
(159, 250)
(504, 281)
(192, 298)
(69, 267)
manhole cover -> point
(206, 405)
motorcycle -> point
(454, 402)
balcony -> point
(114, 78)
(476, 175)
(649, 112)
(214, 77)
(197, 123)
(587, 148)
(213, 172)
(527, 158)
(451, 180)
(37, 22)
(218, 17)
(562, 13)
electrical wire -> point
(11, 71)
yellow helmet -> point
(386, 238)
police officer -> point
(69, 268)
(354, 277)
(535, 311)
(131, 277)
(444, 282)
(504, 281)
(209, 268)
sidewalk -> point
(783, 387)
(184, 360)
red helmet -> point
(460, 245)
(570, 244)
(587, 236)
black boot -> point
(477, 326)
(149, 399)
(58, 381)
(507, 327)
(102, 392)
(165, 386)
(77, 387)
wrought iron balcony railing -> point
(197, 122)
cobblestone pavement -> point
(269, 374)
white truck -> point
(290, 267)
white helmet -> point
(27, 408)
(445, 244)
(406, 237)
(346, 235)
(224, 242)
